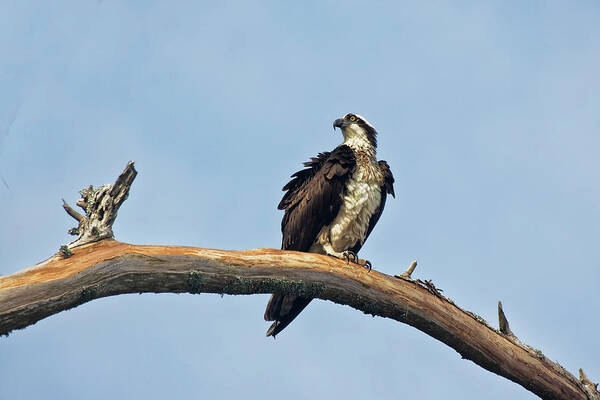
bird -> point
(331, 207)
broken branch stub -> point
(408, 273)
(502, 321)
(101, 206)
(590, 388)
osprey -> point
(332, 206)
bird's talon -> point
(350, 256)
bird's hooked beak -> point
(339, 123)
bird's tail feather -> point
(283, 309)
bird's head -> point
(357, 131)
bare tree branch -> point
(108, 268)
(90, 268)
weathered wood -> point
(101, 206)
(95, 266)
(109, 268)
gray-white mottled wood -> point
(101, 206)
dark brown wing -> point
(312, 200)
(314, 197)
(386, 188)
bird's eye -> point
(352, 118)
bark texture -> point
(108, 267)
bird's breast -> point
(362, 199)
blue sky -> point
(487, 113)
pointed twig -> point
(587, 382)
(407, 274)
(502, 321)
(72, 212)
(410, 269)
